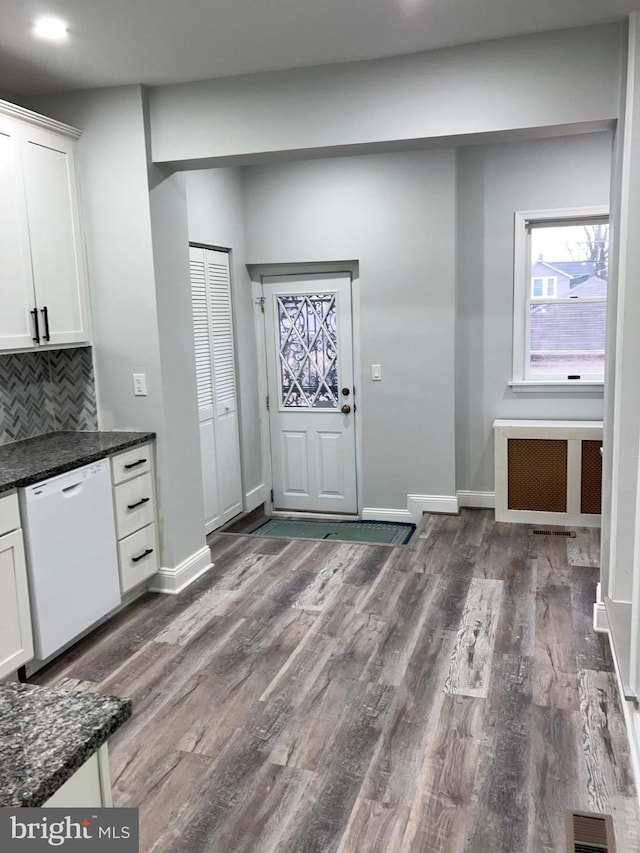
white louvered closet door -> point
(216, 385)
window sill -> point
(534, 386)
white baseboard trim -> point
(631, 712)
(481, 500)
(416, 505)
(381, 514)
(173, 581)
(600, 618)
(254, 497)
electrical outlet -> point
(139, 385)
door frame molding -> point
(256, 273)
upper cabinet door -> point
(17, 325)
(57, 255)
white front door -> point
(309, 347)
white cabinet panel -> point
(16, 642)
(54, 227)
(44, 278)
(138, 557)
(131, 463)
(9, 513)
(135, 508)
(134, 505)
(89, 787)
(16, 286)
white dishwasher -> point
(72, 560)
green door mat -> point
(383, 532)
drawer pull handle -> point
(142, 556)
(138, 503)
(135, 464)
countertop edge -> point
(65, 771)
(83, 458)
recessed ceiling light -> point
(50, 28)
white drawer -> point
(138, 555)
(131, 463)
(134, 505)
(9, 512)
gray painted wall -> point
(115, 200)
(128, 317)
(180, 471)
(535, 82)
(622, 451)
(395, 214)
(216, 217)
(494, 182)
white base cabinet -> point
(134, 502)
(16, 640)
(89, 787)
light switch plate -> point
(376, 372)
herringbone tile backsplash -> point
(46, 391)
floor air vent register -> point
(589, 833)
(568, 533)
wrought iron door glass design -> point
(308, 345)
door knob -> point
(345, 409)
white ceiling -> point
(155, 42)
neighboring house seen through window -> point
(560, 296)
(543, 287)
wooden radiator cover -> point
(591, 491)
(537, 474)
(548, 472)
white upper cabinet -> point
(16, 283)
(44, 282)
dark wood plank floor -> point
(447, 696)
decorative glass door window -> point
(308, 351)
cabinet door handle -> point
(135, 464)
(144, 554)
(45, 316)
(34, 314)
(138, 503)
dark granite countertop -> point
(46, 735)
(25, 462)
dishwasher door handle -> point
(70, 491)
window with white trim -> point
(560, 295)
(544, 287)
